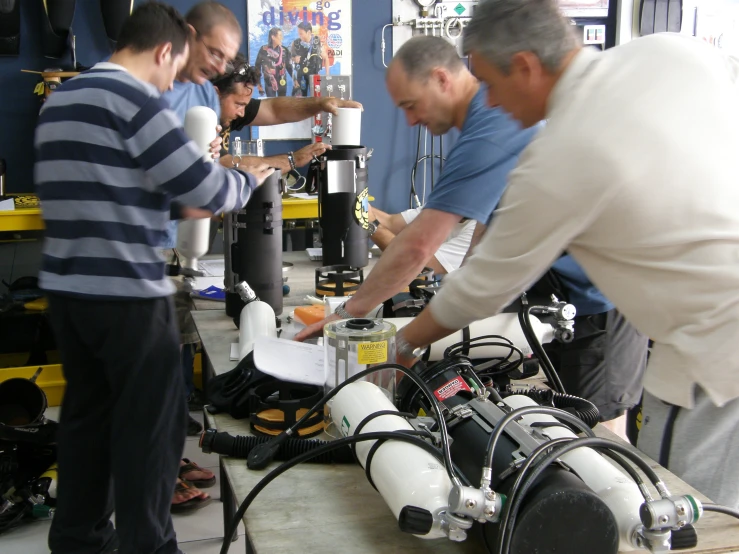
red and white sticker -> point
(451, 388)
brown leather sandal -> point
(195, 503)
(192, 466)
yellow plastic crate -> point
(52, 380)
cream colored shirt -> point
(636, 175)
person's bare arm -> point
(391, 222)
(403, 260)
(383, 236)
(284, 109)
(280, 161)
(476, 237)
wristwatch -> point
(404, 349)
(341, 312)
(373, 226)
(291, 160)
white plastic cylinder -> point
(404, 474)
(617, 490)
(505, 325)
(193, 235)
(257, 319)
(200, 126)
(346, 127)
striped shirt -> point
(111, 161)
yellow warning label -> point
(372, 352)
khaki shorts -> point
(183, 305)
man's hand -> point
(261, 172)
(194, 213)
(215, 146)
(296, 59)
(315, 330)
(330, 104)
(305, 154)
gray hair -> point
(501, 28)
(421, 55)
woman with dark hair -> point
(273, 64)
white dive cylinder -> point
(506, 325)
(617, 490)
(257, 319)
(193, 235)
(404, 474)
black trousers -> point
(122, 428)
(604, 364)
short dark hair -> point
(206, 15)
(237, 71)
(152, 24)
(307, 27)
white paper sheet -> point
(213, 268)
(234, 356)
(289, 360)
(304, 196)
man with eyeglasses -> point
(215, 37)
(239, 109)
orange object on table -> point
(308, 315)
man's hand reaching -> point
(260, 171)
(305, 154)
(315, 330)
(215, 146)
(330, 104)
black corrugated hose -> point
(240, 446)
(584, 409)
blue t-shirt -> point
(476, 175)
(181, 98)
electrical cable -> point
(433, 164)
(414, 193)
(503, 365)
(515, 414)
(425, 157)
(503, 539)
(339, 443)
(721, 510)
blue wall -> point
(383, 126)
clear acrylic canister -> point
(352, 345)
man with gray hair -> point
(635, 176)
(429, 81)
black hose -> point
(583, 409)
(721, 510)
(279, 470)
(240, 446)
(546, 364)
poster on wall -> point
(289, 42)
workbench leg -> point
(229, 502)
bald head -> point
(430, 83)
(419, 56)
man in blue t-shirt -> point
(433, 86)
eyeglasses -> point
(233, 69)
(218, 56)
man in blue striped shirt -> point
(111, 162)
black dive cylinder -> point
(342, 201)
(253, 249)
(560, 514)
(10, 27)
(56, 24)
(115, 12)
